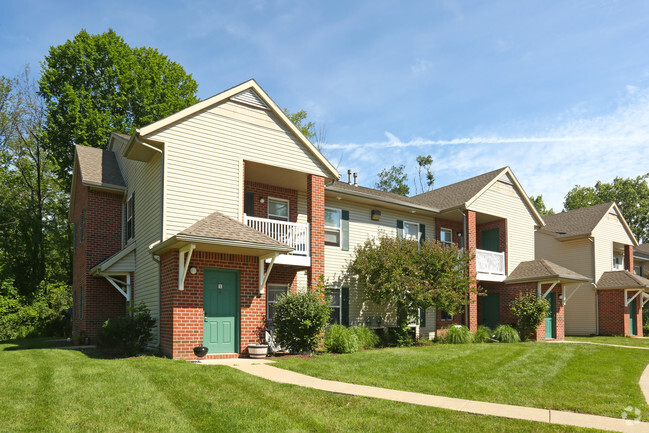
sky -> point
(558, 91)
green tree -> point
(393, 179)
(424, 174)
(539, 204)
(530, 311)
(408, 276)
(96, 84)
(317, 134)
(631, 195)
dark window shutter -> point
(249, 204)
(399, 228)
(133, 215)
(344, 230)
(422, 317)
(422, 233)
(344, 305)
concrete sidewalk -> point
(261, 368)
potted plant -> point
(259, 351)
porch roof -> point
(542, 270)
(99, 168)
(621, 280)
(122, 261)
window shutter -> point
(249, 204)
(344, 230)
(422, 233)
(133, 215)
(399, 228)
(422, 317)
(344, 305)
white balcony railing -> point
(490, 262)
(295, 235)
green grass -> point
(622, 341)
(583, 378)
(57, 390)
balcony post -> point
(628, 258)
(315, 217)
(470, 236)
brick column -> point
(315, 216)
(471, 237)
(628, 258)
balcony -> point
(490, 265)
(295, 235)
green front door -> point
(550, 328)
(491, 310)
(221, 310)
(490, 240)
(632, 318)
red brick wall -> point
(283, 274)
(628, 258)
(315, 215)
(455, 226)
(263, 190)
(614, 317)
(471, 249)
(181, 315)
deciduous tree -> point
(539, 204)
(393, 179)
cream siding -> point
(502, 200)
(125, 264)
(609, 230)
(203, 154)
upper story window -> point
(332, 226)
(618, 263)
(638, 270)
(411, 230)
(278, 209)
(446, 236)
(130, 217)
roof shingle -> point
(539, 270)
(622, 280)
(390, 196)
(578, 222)
(99, 166)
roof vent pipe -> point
(349, 176)
(355, 179)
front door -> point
(220, 309)
(550, 330)
(491, 310)
(632, 317)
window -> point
(411, 231)
(638, 270)
(334, 305)
(277, 209)
(273, 295)
(332, 227)
(617, 263)
(130, 217)
(446, 316)
(446, 236)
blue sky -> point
(557, 90)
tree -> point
(408, 276)
(96, 84)
(539, 204)
(530, 311)
(317, 134)
(393, 179)
(423, 171)
(631, 195)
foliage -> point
(300, 319)
(406, 276)
(340, 339)
(127, 335)
(530, 311)
(539, 204)
(367, 338)
(307, 127)
(506, 334)
(631, 196)
(424, 171)
(399, 336)
(483, 334)
(393, 179)
(458, 335)
(96, 84)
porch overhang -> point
(218, 245)
(142, 149)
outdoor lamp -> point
(376, 215)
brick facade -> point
(315, 216)
(472, 307)
(262, 190)
(456, 228)
(614, 317)
(628, 258)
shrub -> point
(530, 311)
(458, 335)
(367, 338)
(127, 335)
(398, 336)
(300, 319)
(506, 334)
(483, 334)
(340, 339)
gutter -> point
(380, 199)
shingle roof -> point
(389, 196)
(539, 270)
(124, 136)
(578, 222)
(99, 166)
(642, 249)
(621, 280)
(456, 194)
(219, 226)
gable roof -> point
(249, 93)
(99, 167)
(642, 249)
(542, 270)
(376, 194)
(622, 280)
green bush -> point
(340, 339)
(530, 311)
(506, 334)
(127, 335)
(398, 336)
(483, 334)
(458, 335)
(367, 338)
(300, 319)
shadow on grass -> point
(34, 343)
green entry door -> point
(550, 319)
(221, 310)
(632, 317)
(490, 240)
(491, 310)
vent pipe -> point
(349, 176)
(356, 179)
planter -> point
(200, 351)
(257, 351)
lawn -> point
(59, 390)
(575, 377)
(622, 341)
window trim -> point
(405, 236)
(340, 303)
(339, 229)
(279, 217)
(445, 230)
(441, 316)
(129, 219)
(269, 302)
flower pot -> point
(200, 351)
(257, 351)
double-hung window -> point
(130, 217)
(411, 231)
(332, 227)
(445, 316)
(274, 292)
(278, 209)
(334, 305)
(446, 236)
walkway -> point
(261, 368)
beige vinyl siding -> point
(361, 228)
(203, 155)
(126, 263)
(502, 200)
(576, 255)
(609, 230)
